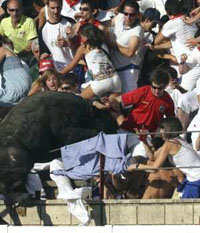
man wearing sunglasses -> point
(129, 34)
(149, 104)
(20, 29)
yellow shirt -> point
(21, 34)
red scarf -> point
(71, 3)
(94, 22)
(176, 16)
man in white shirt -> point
(129, 35)
(177, 31)
(53, 37)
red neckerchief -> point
(176, 16)
(83, 22)
(94, 22)
(198, 48)
(71, 3)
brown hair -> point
(41, 81)
(171, 124)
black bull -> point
(40, 123)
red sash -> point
(71, 3)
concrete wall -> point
(107, 212)
(102, 229)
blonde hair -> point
(40, 83)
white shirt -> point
(178, 32)
(61, 56)
(194, 58)
(187, 157)
(123, 37)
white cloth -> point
(73, 197)
(70, 11)
(187, 157)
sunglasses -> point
(12, 10)
(129, 14)
(65, 88)
(84, 9)
(158, 88)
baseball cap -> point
(45, 64)
(153, 14)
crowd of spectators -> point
(140, 57)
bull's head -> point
(14, 167)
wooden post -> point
(101, 188)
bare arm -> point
(115, 109)
(2, 53)
(165, 45)
(36, 87)
(41, 18)
(131, 49)
(81, 50)
(159, 39)
(164, 151)
(197, 143)
(149, 151)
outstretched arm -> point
(81, 50)
(161, 158)
(131, 49)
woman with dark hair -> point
(180, 153)
(93, 48)
(173, 7)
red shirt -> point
(147, 110)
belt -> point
(130, 66)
